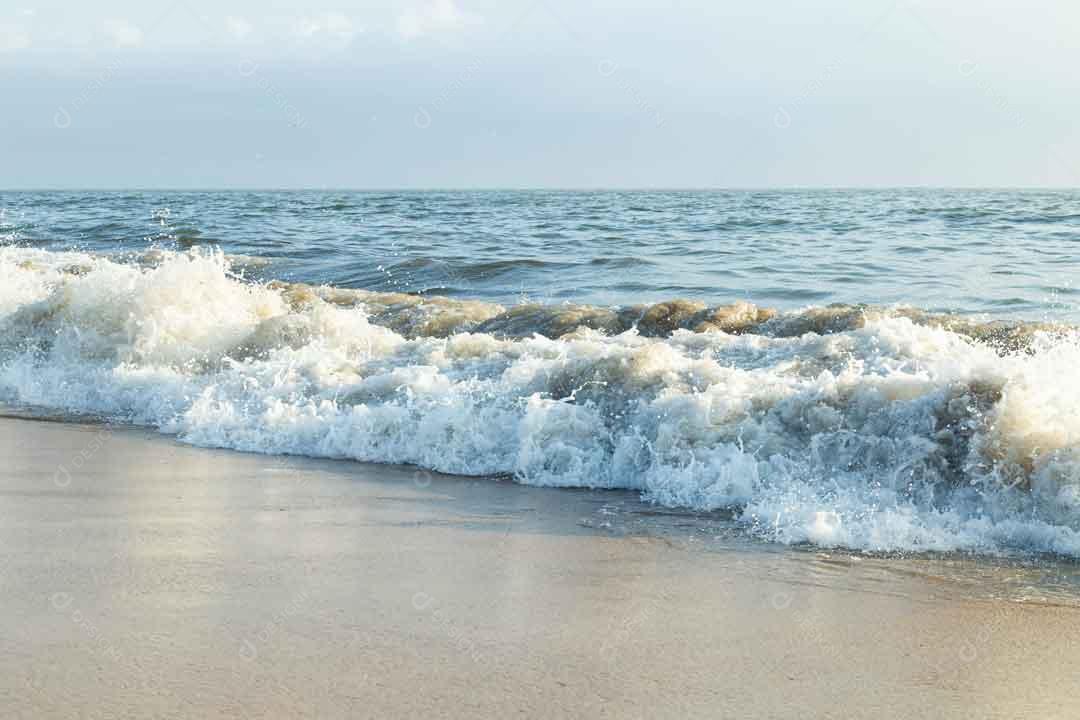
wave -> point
(856, 426)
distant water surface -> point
(1011, 253)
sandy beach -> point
(141, 577)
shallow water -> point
(161, 569)
(567, 339)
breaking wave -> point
(869, 428)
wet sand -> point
(140, 577)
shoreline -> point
(157, 578)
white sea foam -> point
(883, 434)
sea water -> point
(878, 370)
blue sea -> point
(880, 370)
(1005, 253)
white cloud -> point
(238, 27)
(436, 16)
(13, 37)
(123, 33)
(332, 26)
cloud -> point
(123, 33)
(332, 26)
(13, 37)
(436, 16)
(238, 27)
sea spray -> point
(862, 427)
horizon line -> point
(547, 188)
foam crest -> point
(866, 428)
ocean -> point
(878, 370)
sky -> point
(538, 93)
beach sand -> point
(141, 577)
